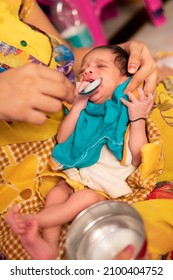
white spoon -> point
(91, 87)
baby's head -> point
(110, 64)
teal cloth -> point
(98, 124)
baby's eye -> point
(101, 66)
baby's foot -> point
(16, 221)
(37, 247)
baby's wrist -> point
(137, 119)
(76, 110)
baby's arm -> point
(69, 123)
(137, 140)
(138, 110)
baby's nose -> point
(88, 70)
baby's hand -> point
(139, 107)
(80, 101)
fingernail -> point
(129, 249)
(132, 68)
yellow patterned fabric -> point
(163, 117)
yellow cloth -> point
(158, 220)
(19, 132)
(162, 116)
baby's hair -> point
(121, 57)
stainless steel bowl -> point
(103, 230)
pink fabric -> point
(162, 190)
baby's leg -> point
(77, 202)
(45, 247)
(66, 211)
(56, 196)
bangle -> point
(137, 119)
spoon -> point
(91, 87)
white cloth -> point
(107, 175)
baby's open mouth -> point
(90, 86)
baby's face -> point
(100, 64)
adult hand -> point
(29, 91)
(127, 253)
(142, 65)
